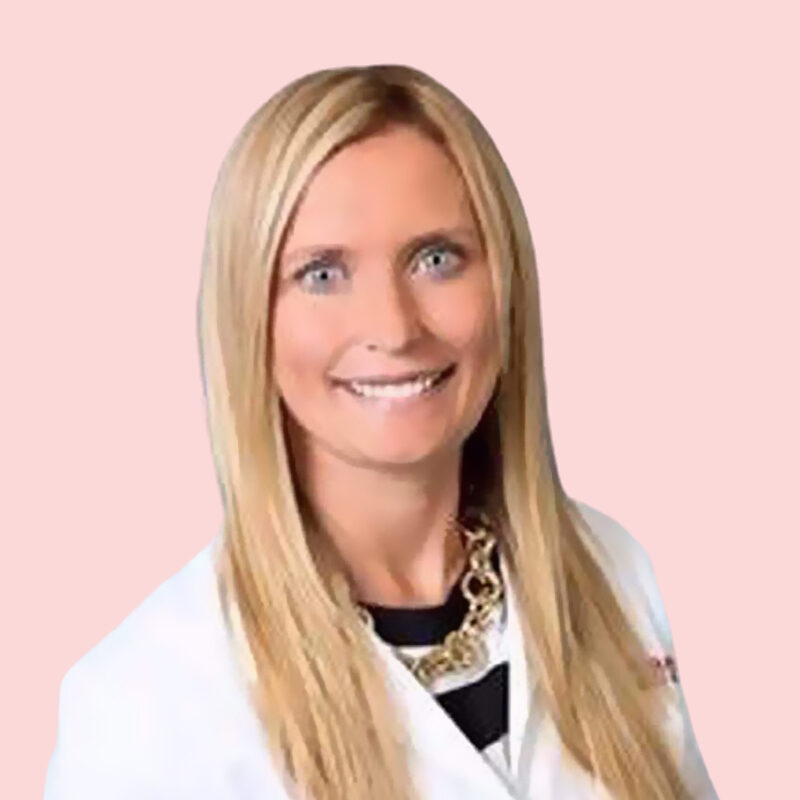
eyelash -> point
(322, 264)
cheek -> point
(303, 345)
(467, 323)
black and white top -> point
(476, 699)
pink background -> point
(656, 153)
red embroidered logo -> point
(665, 669)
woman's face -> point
(382, 275)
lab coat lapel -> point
(445, 761)
(446, 758)
(521, 710)
(539, 764)
(541, 767)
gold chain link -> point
(461, 648)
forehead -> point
(381, 190)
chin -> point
(400, 455)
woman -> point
(403, 601)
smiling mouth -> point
(407, 378)
(425, 383)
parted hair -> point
(315, 680)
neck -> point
(392, 527)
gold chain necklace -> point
(463, 647)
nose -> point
(388, 313)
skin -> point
(384, 481)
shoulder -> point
(630, 572)
(147, 698)
(629, 568)
(171, 630)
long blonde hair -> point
(313, 667)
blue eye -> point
(446, 247)
(317, 267)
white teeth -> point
(393, 391)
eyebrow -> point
(333, 252)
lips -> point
(395, 380)
(387, 397)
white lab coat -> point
(157, 710)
